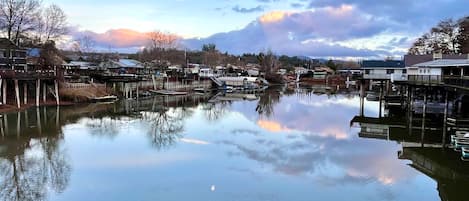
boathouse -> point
(19, 83)
(449, 72)
(123, 66)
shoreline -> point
(12, 108)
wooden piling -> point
(38, 121)
(18, 124)
(4, 94)
(25, 93)
(57, 98)
(138, 85)
(1, 82)
(44, 93)
(17, 93)
(38, 90)
(154, 81)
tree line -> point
(447, 37)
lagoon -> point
(289, 144)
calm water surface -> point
(288, 145)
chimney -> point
(437, 55)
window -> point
(367, 72)
(404, 71)
(390, 71)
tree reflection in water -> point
(31, 165)
(165, 126)
(104, 127)
(215, 111)
(165, 123)
(267, 102)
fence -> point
(425, 79)
(82, 85)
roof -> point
(383, 64)
(444, 63)
(128, 63)
(7, 44)
(411, 60)
(33, 52)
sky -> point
(315, 28)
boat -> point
(465, 154)
(103, 99)
(372, 97)
(169, 92)
(203, 90)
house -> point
(411, 60)
(253, 72)
(206, 71)
(393, 70)
(123, 66)
(192, 69)
(12, 57)
(442, 71)
(79, 68)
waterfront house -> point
(192, 69)
(393, 70)
(454, 72)
(123, 66)
(12, 57)
(253, 72)
(206, 71)
(79, 70)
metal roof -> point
(383, 64)
(444, 63)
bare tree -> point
(162, 40)
(51, 24)
(17, 17)
(84, 44)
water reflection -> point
(295, 139)
(32, 159)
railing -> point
(394, 77)
(457, 81)
(82, 85)
(425, 79)
(22, 74)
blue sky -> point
(317, 28)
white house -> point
(393, 70)
(206, 72)
(437, 71)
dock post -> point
(1, 82)
(4, 94)
(44, 92)
(445, 119)
(423, 117)
(18, 124)
(57, 99)
(38, 89)
(362, 98)
(153, 81)
(123, 90)
(131, 90)
(25, 93)
(380, 98)
(1, 128)
(138, 84)
(17, 93)
(38, 121)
